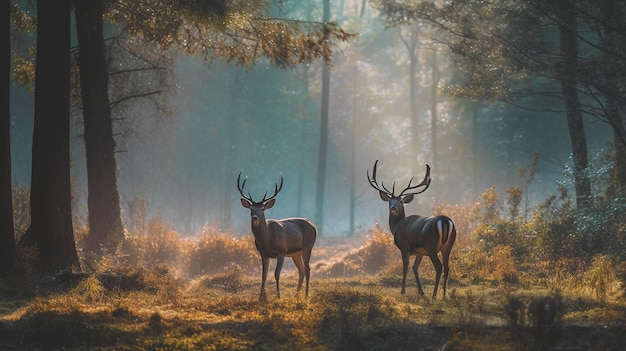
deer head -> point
(396, 202)
(257, 208)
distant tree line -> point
(559, 56)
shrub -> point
(158, 245)
(212, 253)
(377, 253)
(600, 276)
(503, 265)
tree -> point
(50, 231)
(239, 32)
(410, 44)
(323, 148)
(566, 14)
(605, 19)
(504, 48)
(103, 203)
(7, 239)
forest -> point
(137, 138)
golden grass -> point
(208, 300)
(223, 312)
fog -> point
(217, 119)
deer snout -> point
(255, 217)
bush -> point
(213, 253)
(158, 245)
(600, 277)
(378, 252)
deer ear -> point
(407, 199)
(384, 196)
(245, 203)
(269, 204)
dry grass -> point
(159, 306)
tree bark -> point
(7, 238)
(321, 169)
(566, 74)
(51, 231)
(103, 201)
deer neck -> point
(261, 233)
(395, 218)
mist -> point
(264, 121)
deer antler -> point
(375, 185)
(277, 189)
(241, 185)
(425, 183)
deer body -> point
(290, 237)
(417, 235)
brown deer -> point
(417, 235)
(291, 237)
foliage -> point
(601, 277)
(216, 253)
(553, 225)
(237, 31)
(158, 245)
(377, 254)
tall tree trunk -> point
(610, 89)
(474, 109)
(434, 91)
(103, 200)
(50, 230)
(7, 238)
(567, 74)
(410, 44)
(619, 144)
(321, 169)
(353, 151)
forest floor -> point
(346, 310)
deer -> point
(289, 237)
(417, 235)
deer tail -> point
(444, 227)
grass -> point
(357, 313)
(185, 301)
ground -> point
(348, 309)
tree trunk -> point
(50, 231)
(619, 143)
(566, 74)
(321, 169)
(410, 44)
(103, 201)
(7, 239)
(434, 91)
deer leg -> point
(306, 258)
(279, 266)
(405, 268)
(437, 263)
(297, 260)
(416, 266)
(446, 269)
(266, 263)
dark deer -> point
(290, 237)
(417, 235)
